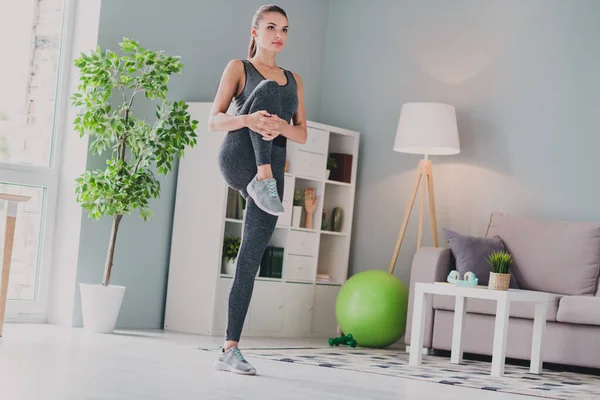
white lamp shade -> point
(427, 128)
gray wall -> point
(206, 34)
(523, 77)
(521, 73)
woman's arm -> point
(228, 87)
(297, 132)
(219, 120)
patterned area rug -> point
(472, 374)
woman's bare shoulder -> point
(235, 66)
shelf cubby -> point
(295, 305)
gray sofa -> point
(558, 257)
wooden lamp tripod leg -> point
(432, 215)
(425, 172)
(421, 207)
(405, 222)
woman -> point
(253, 154)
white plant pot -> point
(100, 306)
(228, 267)
(328, 173)
(296, 216)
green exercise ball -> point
(371, 306)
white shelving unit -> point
(297, 304)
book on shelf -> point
(235, 205)
(343, 171)
(231, 204)
(271, 264)
(323, 278)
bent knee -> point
(267, 84)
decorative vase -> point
(228, 266)
(296, 216)
(324, 221)
(499, 281)
(337, 219)
(100, 306)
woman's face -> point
(272, 32)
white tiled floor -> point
(49, 362)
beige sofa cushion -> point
(551, 256)
(583, 310)
(518, 309)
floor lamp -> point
(428, 129)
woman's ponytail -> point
(252, 47)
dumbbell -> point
(347, 340)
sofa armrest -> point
(430, 264)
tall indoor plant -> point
(108, 85)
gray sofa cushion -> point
(471, 252)
(518, 309)
(551, 256)
(583, 310)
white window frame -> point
(80, 27)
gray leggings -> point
(238, 156)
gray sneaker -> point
(265, 196)
(232, 360)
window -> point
(31, 33)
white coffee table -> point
(422, 300)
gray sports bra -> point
(288, 93)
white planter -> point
(328, 173)
(228, 267)
(296, 216)
(100, 306)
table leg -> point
(421, 305)
(500, 336)
(539, 325)
(11, 220)
(460, 310)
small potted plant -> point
(500, 262)
(331, 164)
(231, 247)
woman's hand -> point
(260, 122)
(268, 125)
(275, 124)
(252, 121)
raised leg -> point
(264, 97)
(422, 302)
(11, 221)
(460, 309)
(500, 337)
(539, 325)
